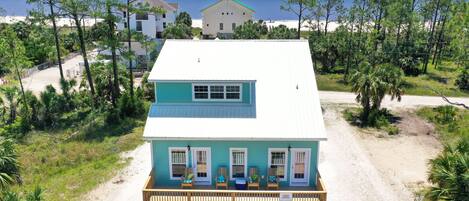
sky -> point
(265, 9)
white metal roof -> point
(287, 103)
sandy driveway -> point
(351, 164)
(38, 81)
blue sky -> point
(265, 9)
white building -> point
(221, 18)
(150, 24)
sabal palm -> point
(371, 84)
(9, 166)
(11, 96)
(449, 173)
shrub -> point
(463, 80)
(446, 114)
(131, 106)
(449, 173)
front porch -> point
(209, 193)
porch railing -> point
(151, 194)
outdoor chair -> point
(272, 179)
(188, 179)
(222, 178)
(253, 180)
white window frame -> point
(245, 150)
(170, 150)
(224, 92)
(285, 178)
(136, 25)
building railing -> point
(155, 194)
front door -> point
(201, 162)
(299, 174)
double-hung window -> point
(238, 162)
(139, 25)
(230, 92)
(278, 159)
(178, 160)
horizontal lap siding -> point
(257, 156)
(182, 93)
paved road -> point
(406, 102)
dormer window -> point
(214, 92)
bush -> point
(131, 106)
(445, 114)
(463, 80)
(380, 119)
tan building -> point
(221, 18)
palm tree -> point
(11, 96)
(449, 173)
(9, 166)
(371, 84)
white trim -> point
(245, 150)
(224, 99)
(151, 154)
(307, 163)
(208, 179)
(286, 160)
(170, 162)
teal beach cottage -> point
(235, 105)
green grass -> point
(449, 132)
(68, 164)
(441, 79)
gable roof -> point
(235, 1)
(285, 101)
(163, 4)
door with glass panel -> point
(299, 175)
(201, 162)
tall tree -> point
(13, 55)
(132, 7)
(297, 7)
(111, 42)
(52, 17)
(184, 18)
(430, 41)
(332, 8)
(77, 10)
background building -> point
(221, 18)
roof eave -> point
(232, 0)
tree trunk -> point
(409, 26)
(129, 40)
(439, 41)
(56, 37)
(430, 40)
(328, 13)
(112, 38)
(12, 46)
(84, 54)
(300, 15)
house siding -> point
(220, 150)
(213, 17)
(182, 93)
